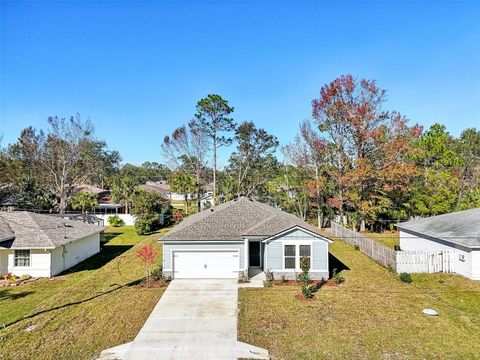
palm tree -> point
(184, 184)
(123, 190)
(83, 201)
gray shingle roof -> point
(37, 231)
(462, 227)
(6, 232)
(235, 220)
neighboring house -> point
(243, 236)
(160, 187)
(177, 199)
(42, 245)
(458, 231)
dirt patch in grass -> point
(300, 297)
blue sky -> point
(137, 69)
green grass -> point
(93, 307)
(387, 238)
(372, 316)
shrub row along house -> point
(43, 245)
(242, 237)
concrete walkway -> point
(194, 319)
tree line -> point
(353, 160)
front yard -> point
(79, 314)
(372, 316)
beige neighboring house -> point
(43, 245)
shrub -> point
(406, 278)
(177, 216)
(269, 275)
(10, 277)
(146, 224)
(157, 273)
(307, 291)
(284, 278)
(392, 227)
(148, 254)
(337, 278)
(356, 247)
(25, 277)
(115, 221)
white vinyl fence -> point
(374, 250)
(400, 261)
(425, 262)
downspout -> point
(64, 252)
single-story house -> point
(243, 236)
(43, 245)
(458, 231)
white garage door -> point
(205, 264)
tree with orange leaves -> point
(369, 146)
(148, 255)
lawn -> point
(95, 306)
(387, 238)
(372, 316)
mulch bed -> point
(329, 282)
(300, 297)
(154, 284)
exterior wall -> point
(128, 219)
(413, 242)
(168, 249)
(47, 263)
(75, 252)
(39, 264)
(3, 262)
(475, 264)
(274, 259)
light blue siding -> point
(320, 255)
(168, 247)
(274, 254)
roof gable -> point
(297, 232)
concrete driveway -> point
(194, 319)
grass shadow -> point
(335, 263)
(7, 294)
(106, 254)
(116, 288)
(105, 238)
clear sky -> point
(137, 69)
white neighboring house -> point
(458, 231)
(42, 245)
(163, 188)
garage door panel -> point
(206, 264)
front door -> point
(254, 253)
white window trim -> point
(297, 244)
(29, 259)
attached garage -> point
(211, 264)
(241, 238)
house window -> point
(22, 258)
(290, 256)
(306, 251)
